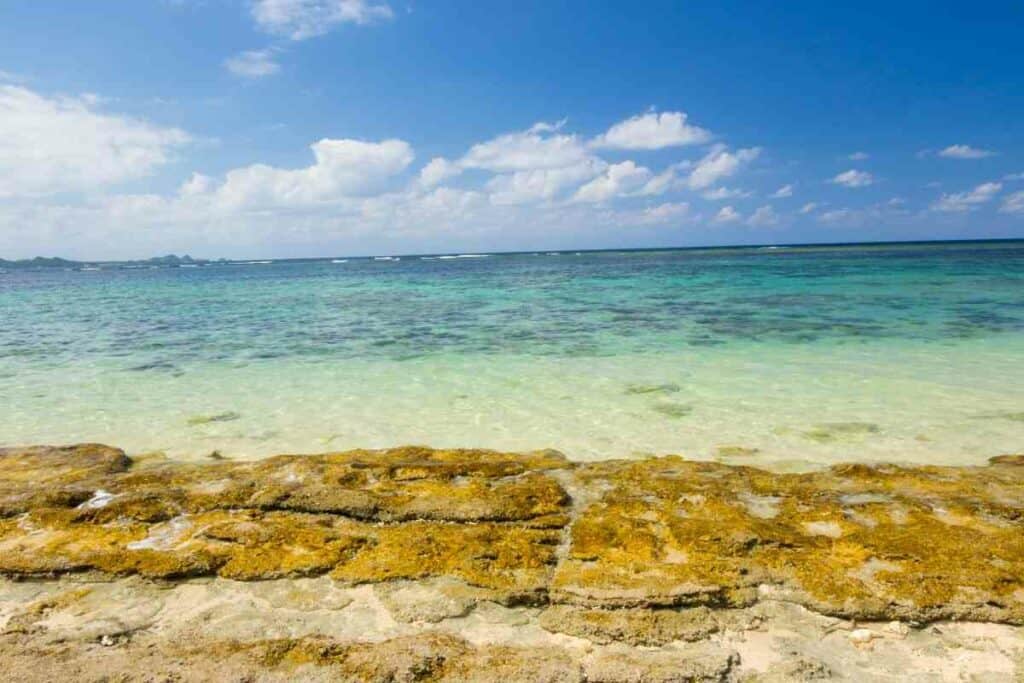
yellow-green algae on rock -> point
(860, 541)
(487, 518)
(915, 543)
(656, 570)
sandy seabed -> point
(415, 564)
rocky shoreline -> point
(421, 564)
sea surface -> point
(788, 357)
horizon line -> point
(517, 252)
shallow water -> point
(787, 357)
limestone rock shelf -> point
(468, 563)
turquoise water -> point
(808, 355)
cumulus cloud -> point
(1014, 176)
(437, 171)
(302, 19)
(808, 207)
(720, 193)
(961, 202)
(763, 217)
(836, 215)
(652, 131)
(11, 77)
(664, 213)
(667, 181)
(196, 185)
(726, 214)
(783, 192)
(870, 215)
(1014, 203)
(543, 184)
(436, 211)
(858, 156)
(853, 178)
(965, 152)
(514, 190)
(253, 64)
(617, 180)
(60, 144)
(534, 148)
(342, 168)
(718, 164)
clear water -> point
(910, 353)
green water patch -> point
(645, 389)
(673, 410)
(1006, 415)
(831, 432)
(158, 366)
(732, 451)
(264, 436)
(197, 420)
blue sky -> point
(255, 128)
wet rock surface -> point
(422, 564)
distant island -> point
(39, 262)
(170, 260)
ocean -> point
(783, 357)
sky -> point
(303, 128)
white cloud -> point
(619, 179)
(526, 150)
(521, 189)
(666, 181)
(836, 215)
(65, 144)
(437, 171)
(853, 178)
(1014, 176)
(808, 207)
(439, 210)
(783, 192)
(960, 202)
(718, 164)
(965, 152)
(1014, 203)
(343, 168)
(301, 19)
(196, 185)
(664, 213)
(763, 217)
(859, 156)
(533, 165)
(652, 131)
(543, 184)
(726, 214)
(870, 215)
(720, 193)
(545, 127)
(542, 162)
(9, 77)
(253, 64)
